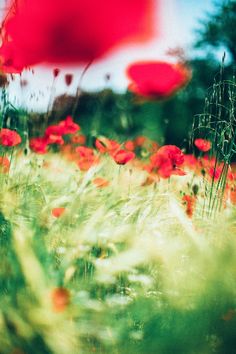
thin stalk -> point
(79, 87)
(219, 184)
(223, 186)
(212, 181)
(50, 102)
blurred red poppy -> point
(104, 145)
(100, 182)
(166, 161)
(86, 157)
(140, 140)
(57, 212)
(60, 299)
(9, 137)
(122, 157)
(156, 79)
(232, 195)
(173, 153)
(129, 145)
(202, 144)
(4, 164)
(54, 139)
(84, 151)
(189, 201)
(55, 130)
(72, 31)
(78, 139)
(38, 145)
(69, 127)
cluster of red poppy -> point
(75, 150)
(163, 162)
(113, 148)
(54, 135)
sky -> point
(178, 20)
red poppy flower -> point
(60, 299)
(38, 145)
(86, 164)
(72, 31)
(140, 140)
(156, 79)
(189, 201)
(173, 153)
(54, 139)
(106, 145)
(122, 157)
(78, 139)
(57, 212)
(202, 144)
(9, 137)
(232, 195)
(129, 145)
(166, 161)
(69, 127)
(4, 164)
(55, 130)
(101, 182)
(84, 151)
(86, 157)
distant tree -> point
(218, 30)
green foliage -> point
(107, 113)
(219, 28)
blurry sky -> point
(178, 20)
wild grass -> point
(142, 276)
(218, 125)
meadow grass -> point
(142, 277)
